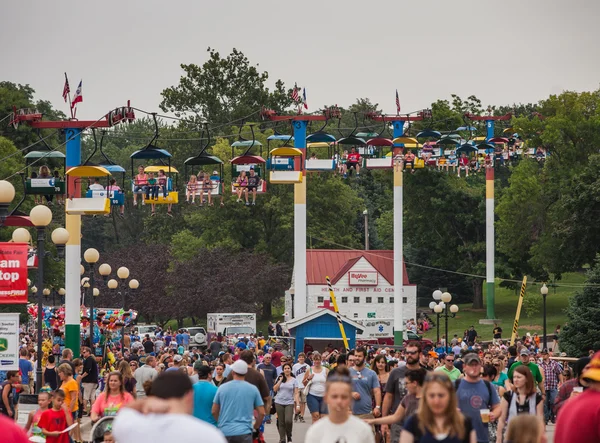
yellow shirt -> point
(71, 388)
(262, 343)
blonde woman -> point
(438, 417)
(316, 376)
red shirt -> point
(354, 157)
(276, 358)
(53, 421)
(11, 432)
(579, 419)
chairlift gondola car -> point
(408, 143)
(215, 179)
(381, 160)
(313, 163)
(117, 197)
(291, 159)
(44, 185)
(95, 202)
(245, 162)
(152, 152)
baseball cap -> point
(177, 358)
(470, 358)
(240, 367)
(524, 351)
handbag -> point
(307, 387)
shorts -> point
(252, 188)
(139, 188)
(316, 404)
(89, 391)
(302, 396)
(351, 165)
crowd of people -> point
(231, 390)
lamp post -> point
(7, 194)
(292, 294)
(366, 214)
(437, 296)
(91, 256)
(544, 291)
(124, 287)
(40, 217)
(447, 298)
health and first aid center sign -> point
(13, 273)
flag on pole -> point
(78, 97)
(66, 89)
(397, 103)
(295, 94)
(304, 98)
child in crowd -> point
(55, 420)
(33, 420)
(108, 437)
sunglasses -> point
(412, 352)
(450, 361)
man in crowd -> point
(424, 360)
(177, 363)
(148, 344)
(169, 415)
(535, 370)
(143, 374)
(234, 406)
(395, 387)
(89, 378)
(270, 373)
(254, 377)
(552, 378)
(497, 332)
(67, 357)
(471, 334)
(365, 387)
(204, 394)
(26, 368)
(475, 394)
(448, 368)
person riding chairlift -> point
(352, 162)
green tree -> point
(223, 89)
(581, 333)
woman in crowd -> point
(316, 377)
(49, 376)
(286, 387)
(129, 380)
(525, 429)
(218, 378)
(438, 417)
(340, 425)
(112, 399)
(501, 377)
(523, 400)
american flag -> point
(66, 89)
(397, 103)
(304, 98)
(296, 93)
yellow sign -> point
(516, 324)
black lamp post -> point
(544, 291)
(447, 298)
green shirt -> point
(535, 371)
(454, 374)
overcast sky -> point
(503, 52)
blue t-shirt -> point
(204, 395)
(185, 338)
(25, 366)
(472, 397)
(241, 345)
(179, 339)
(270, 374)
(363, 382)
(237, 400)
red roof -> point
(337, 262)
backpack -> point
(487, 384)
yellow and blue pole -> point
(73, 247)
(518, 314)
(398, 126)
(300, 224)
(337, 314)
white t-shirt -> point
(354, 430)
(132, 427)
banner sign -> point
(13, 273)
(9, 342)
(363, 278)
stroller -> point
(101, 426)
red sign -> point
(363, 278)
(13, 273)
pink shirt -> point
(109, 407)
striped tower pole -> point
(489, 243)
(337, 314)
(73, 248)
(398, 244)
(489, 234)
(300, 224)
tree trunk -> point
(179, 323)
(267, 312)
(194, 322)
(477, 285)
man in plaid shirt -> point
(552, 377)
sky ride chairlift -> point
(204, 159)
(321, 140)
(92, 204)
(247, 161)
(48, 184)
(153, 152)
